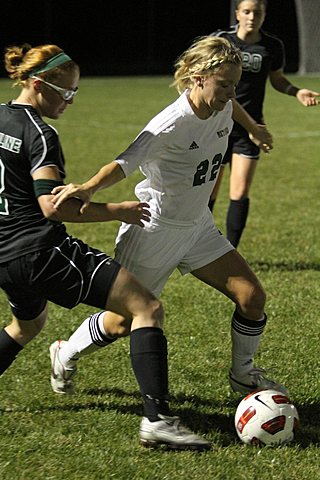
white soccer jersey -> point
(180, 156)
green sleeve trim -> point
(44, 187)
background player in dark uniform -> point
(37, 254)
(263, 57)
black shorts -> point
(66, 274)
(241, 145)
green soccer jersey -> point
(27, 144)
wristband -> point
(289, 88)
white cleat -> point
(255, 379)
(61, 377)
(170, 432)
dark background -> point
(145, 37)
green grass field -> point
(94, 434)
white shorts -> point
(152, 253)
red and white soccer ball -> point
(266, 417)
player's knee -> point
(150, 309)
(253, 302)
(157, 313)
(25, 331)
(151, 315)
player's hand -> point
(133, 212)
(63, 192)
(308, 98)
(262, 138)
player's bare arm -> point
(259, 134)
(107, 176)
(306, 97)
(132, 212)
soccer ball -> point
(266, 417)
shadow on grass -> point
(201, 415)
(309, 431)
(188, 407)
(284, 266)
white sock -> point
(246, 335)
(88, 338)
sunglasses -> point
(65, 93)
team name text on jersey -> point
(10, 143)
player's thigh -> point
(231, 275)
(241, 176)
(129, 298)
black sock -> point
(148, 351)
(211, 204)
(9, 349)
(236, 219)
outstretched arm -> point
(107, 175)
(258, 134)
(306, 97)
(129, 211)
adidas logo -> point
(193, 146)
